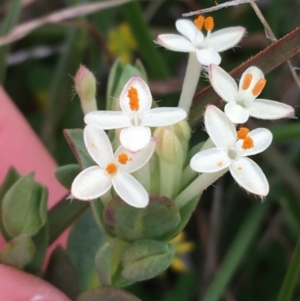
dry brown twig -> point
(65, 14)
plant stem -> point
(190, 82)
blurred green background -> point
(242, 247)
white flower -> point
(112, 170)
(207, 47)
(241, 101)
(136, 116)
(231, 151)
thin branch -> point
(80, 10)
(217, 7)
(271, 36)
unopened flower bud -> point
(183, 131)
(85, 85)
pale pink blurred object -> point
(20, 286)
(20, 147)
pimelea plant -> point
(137, 169)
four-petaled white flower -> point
(207, 47)
(136, 116)
(112, 170)
(241, 101)
(231, 151)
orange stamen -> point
(247, 81)
(209, 23)
(247, 143)
(199, 22)
(123, 158)
(259, 86)
(242, 133)
(133, 99)
(220, 163)
(240, 168)
(111, 168)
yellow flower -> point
(121, 43)
(181, 248)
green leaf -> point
(103, 263)
(18, 252)
(267, 60)
(11, 177)
(291, 278)
(237, 251)
(41, 241)
(107, 294)
(62, 273)
(145, 259)
(24, 207)
(66, 174)
(157, 220)
(62, 215)
(8, 24)
(83, 244)
(75, 140)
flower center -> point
(232, 153)
(124, 158)
(133, 99)
(111, 168)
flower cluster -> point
(158, 162)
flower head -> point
(231, 151)
(207, 47)
(136, 116)
(112, 170)
(242, 101)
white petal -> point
(207, 56)
(269, 109)
(188, 29)
(250, 176)
(262, 139)
(135, 138)
(137, 159)
(144, 95)
(222, 83)
(219, 127)
(108, 120)
(236, 113)
(175, 42)
(226, 38)
(90, 184)
(98, 144)
(210, 160)
(257, 74)
(163, 116)
(130, 190)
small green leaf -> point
(83, 244)
(11, 177)
(104, 264)
(24, 207)
(157, 220)
(145, 259)
(107, 294)
(18, 252)
(66, 174)
(74, 138)
(62, 273)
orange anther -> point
(111, 168)
(133, 99)
(209, 23)
(259, 86)
(247, 143)
(199, 22)
(242, 133)
(247, 81)
(123, 158)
